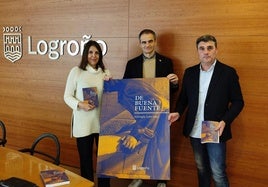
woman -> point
(91, 73)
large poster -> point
(134, 137)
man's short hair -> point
(206, 38)
(147, 31)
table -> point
(17, 164)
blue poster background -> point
(135, 110)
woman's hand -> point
(107, 77)
(86, 105)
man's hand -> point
(173, 117)
(220, 127)
(173, 78)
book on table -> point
(91, 95)
(54, 177)
(208, 133)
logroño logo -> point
(12, 39)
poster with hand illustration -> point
(134, 137)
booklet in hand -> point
(208, 133)
(91, 95)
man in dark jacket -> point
(211, 92)
(149, 64)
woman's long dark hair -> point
(84, 60)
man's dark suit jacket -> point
(224, 100)
(163, 68)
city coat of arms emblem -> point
(12, 45)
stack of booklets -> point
(54, 177)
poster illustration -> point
(134, 137)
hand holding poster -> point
(134, 138)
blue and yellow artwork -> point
(134, 139)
